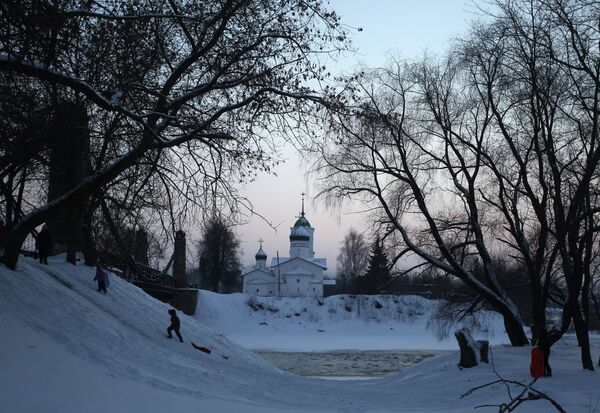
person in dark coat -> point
(102, 278)
(43, 244)
(175, 324)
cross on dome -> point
(260, 254)
(302, 221)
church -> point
(299, 275)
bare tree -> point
(413, 162)
(537, 67)
(353, 259)
(494, 147)
(194, 89)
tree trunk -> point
(12, 246)
(484, 349)
(514, 330)
(583, 337)
(538, 308)
(89, 249)
(71, 253)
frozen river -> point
(347, 364)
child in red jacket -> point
(174, 325)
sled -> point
(202, 349)
(206, 350)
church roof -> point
(302, 222)
(251, 270)
(321, 262)
(261, 254)
(299, 234)
(260, 281)
(298, 271)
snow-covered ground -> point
(66, 348)
(341, 322)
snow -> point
(325, 324)
(67, 348)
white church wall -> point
(259, 283)
(300, 277)
(296, 286)
(263, 290)
(302, 286)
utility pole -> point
(278, 277)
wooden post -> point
(484, 347)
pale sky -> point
(404, 28)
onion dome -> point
(261, 254)
(302, 222)
(299, 233)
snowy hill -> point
(66, 348)
(333, 323)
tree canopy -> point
(218, 249)
(184, 98)
(491, 148)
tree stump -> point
(468, 348)
(484, 347)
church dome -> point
(261, 254)
(299, 233)
(302, 222)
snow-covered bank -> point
(68, 349)
(339, 322)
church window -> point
(257, 290)
(313, 288)
(298, 280)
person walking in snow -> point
(102, 278)
(43, 243)
(175, 324)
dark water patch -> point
(369, 363)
